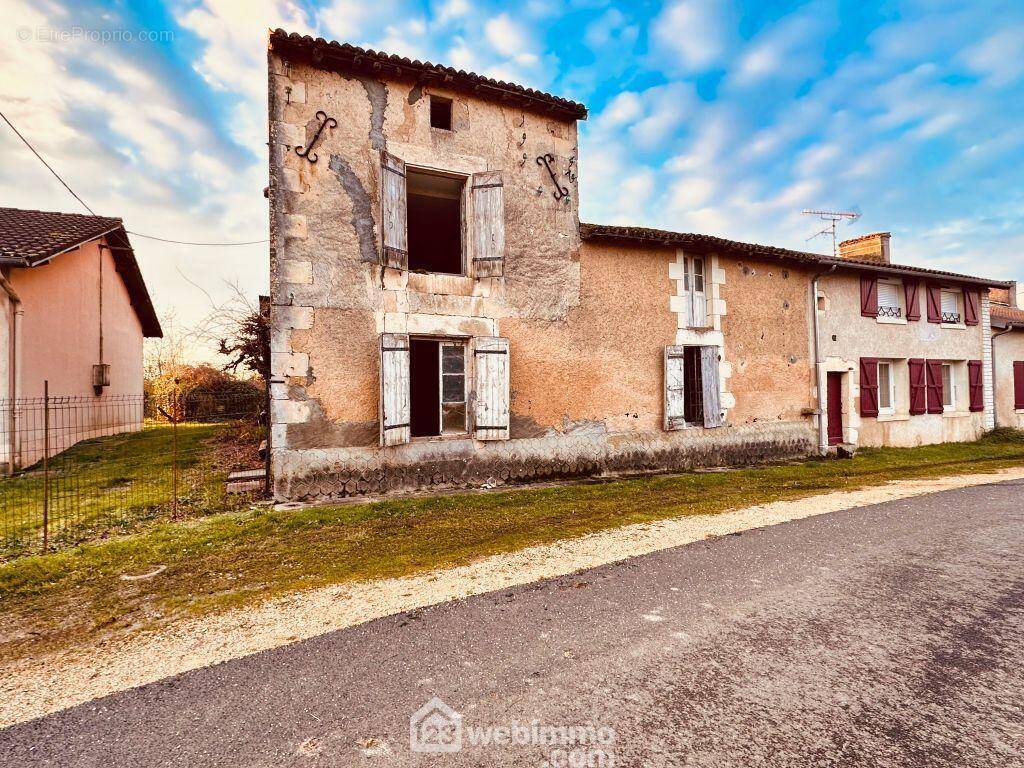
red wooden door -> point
(835, 408)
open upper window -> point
(434, 204)
(440, 113)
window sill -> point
(892, 417)
(891, 320)
(956, 414)
(954, 326)
(439, 438)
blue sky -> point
(723, 118)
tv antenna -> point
(833, 218)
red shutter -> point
(974, 381)
(869, 386)
(934, 386)
(913, 304)
(933, 294)
(918, 399)
(1018, 384)
(869, 296)
(970, 307)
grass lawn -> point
(239, 558)
(114, 484)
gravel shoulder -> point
(34, 687)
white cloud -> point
(1000, 57)
(696, 34)
(510, 39)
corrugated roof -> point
(345, 57)
(29, 238)
(710, 243)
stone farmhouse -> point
(441, 317)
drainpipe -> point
(14, 364)
(819, 410)
(995, 379)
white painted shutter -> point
(674, 388)
(488, 224)
(394, 211)
(709, 382)
(395, 411)
(888, 295)
(491, 410)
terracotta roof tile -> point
(709, 242)
(350, 58)
(1011, 315)
(35, 236)
(29, 238)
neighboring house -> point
(905, 351)
(73, 312)
(439, 316)
(1008, 354)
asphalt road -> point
(890, 635)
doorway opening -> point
(693, 393)
(835, 408)
(434, 209)
(437, 383)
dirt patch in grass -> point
(229, 560)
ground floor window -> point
(886, 392)
(437, 382)
(948, 387)
(692, 396)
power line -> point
(57, 175)
(185, 242)
(90, 210)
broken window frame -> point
(463, 374)
(464, 196)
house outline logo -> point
(435, 728)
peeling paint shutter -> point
(934, 368)
(974, 381)
(970, 307)
(394, 211)
(395, 409)
(910, 289)
(488, 224)
(491, 355)
(869, 295)
(709, 382)
(918, 389)
(869, 386)
(674, 388)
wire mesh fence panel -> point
(83, 468)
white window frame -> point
(900, 315)
(696, 300)
(949, 393)
(958, 301)
(890, 409)
(464, 347)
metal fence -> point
(82, 468)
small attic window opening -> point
(440, 113)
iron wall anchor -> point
(325, 122)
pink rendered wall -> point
(60, 327)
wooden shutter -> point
(710, 386)
(491, 397)
(675, 388)
(918, 389)
(974, 381)
(869, 386)
(934, 368)
(933, 297)
(970, 307)
(395, 408)
(394, 212)
(1018, 384)
(488, 224)
(910, 291)
(869, 296)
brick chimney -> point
(873, 247)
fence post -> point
(174, 449)
(46, 465)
